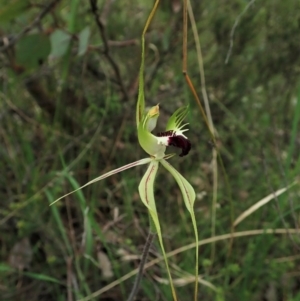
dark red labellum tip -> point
(181, 142)
(177, 141)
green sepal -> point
(189, 196)
(140, 106)
(146, 190)
(108, 174)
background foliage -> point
(68, 94)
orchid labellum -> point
(155, 146)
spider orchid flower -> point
(155, 146)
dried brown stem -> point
(139, 275)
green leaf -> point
(42, 277)
(83, 38)
(108, 174)
(5, 267)
(59, 222)
(189, 196)
(32, 50)
(13, 10)
(146, 190)
(60, 41)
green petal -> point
(189, 197)
(146, 191)
(186, 188)
(108, 174)
(175, 121)
(146, 187)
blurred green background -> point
(68, 90)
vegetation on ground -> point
(68, 91)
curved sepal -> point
(140, 105)
(108, 174)
(186, 188)
(146, 190)
(189, 196)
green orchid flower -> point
(155, 146)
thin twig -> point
(69, 278)
(106, 49)
(236, 23)
(27, 28)
(125, 43)
(139, 275)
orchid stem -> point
(144, 257)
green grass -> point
(255, 105)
